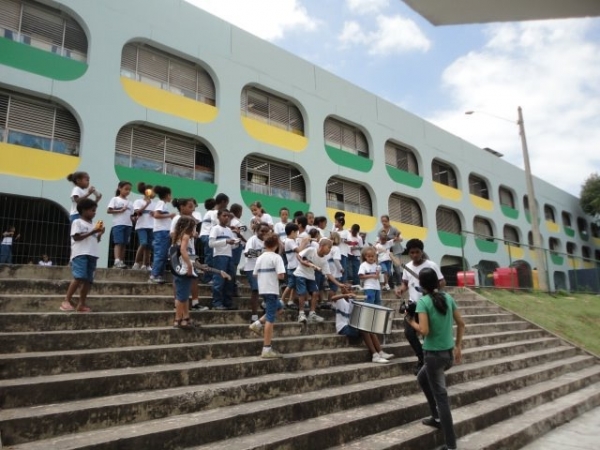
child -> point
(186, 207)
(310, 219)
(311, 259)
(410, 283)
(279, 227)
(122, 210)
(343, 311)
(269, 270)
(260, 215)
(369, 272)
(142, 210)
(45, 261)
(82, 190)
(236, 253)
(212, 206)
(291, 249)
(355, 242)
(334, 259)
(382, 248)
(8, 239)
(252, 251)
(182, 236)
(84, 254)
(221, 240)
(340, 222)
(160, 232)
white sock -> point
(254, 317)
(258, 324)
(195, 302)
(266, 349)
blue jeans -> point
(5, 254)
(160, 245)
(207, 252)
(353, 266)
(433, 383)
(222, 289)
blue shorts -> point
(83, 267)
(373, 296)
(305, 286)
(121, 234)
(386, 267)
(183, 288)
(291, 279)
(349, 331)
(252, 280)
(272, 305)
(145, 237)
(332, 286)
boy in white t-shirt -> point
(84, 254)
(343, 311)
(291, 249)
(369, 272)
(268, 270)
(253, 249)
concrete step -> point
(325, 417)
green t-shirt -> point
(441, 335)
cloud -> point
(551, 69)
(267, 19)
(393, 35)
(367, 6)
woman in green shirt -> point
(437, 312)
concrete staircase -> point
(123, 378)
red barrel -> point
(468, 276)
(506, 277)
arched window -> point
(566, 218)
(571, 248)
(171, 73)
(444, 174)
(554, 244)
(447, 220)
(272, 109)
(506, 197)
(582, 227)
(405, 210)
(401, 157)
(260, 175)
(345, 137)
(549, 213)
(478, 187)
(143, 147)
(483, 228)
(348, 196)
(38, 124)
(511, 234)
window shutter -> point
(183, 77)
(42, 25)
(31, 117)
(511, 234)
(482, 227)
(333, 133)
(10, 14)
(279, 177)
(258, 105)
(153, 66)
(75, 38)
(296, 121)
(506, 198)
(447, 220)
(66, 131)
(405, 210)
(361, 144)
(148, 145)
(179, 152)
(390, 155)
(205, 87)
(566, 217)
(124, 138)
(3, 113)
(129, 59)
(348, 140)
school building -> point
(165, 93)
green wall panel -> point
(40, 62)
(569, 231)
(486, 246)
(509, 212)
(451, 239)
(272, 205)
(400, 176)
(557, 259)
(347, 159)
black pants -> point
(411, 336)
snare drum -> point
(372, 318)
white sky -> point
(549, 68)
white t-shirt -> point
(413, 282)
(208, 222)
(217, 240)
(369, 269)
(45, 263)
(77, 192)
(343, 311)
(122, 218)
(279, 229)
(162, 224)
(145, 219)
(357, 246)
(290, 246)
(254, 243)
(383, 251)
(7, 240)
(311, 255)
(192, 241)
(333, 256)
(344, 247)
(268, 266)
(87, 246)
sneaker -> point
(136, 266)
(199, 307)
(378, 359)
(66, 306)
(431, 422)
(148, 268)
(210, 283)
(119, 264)
(220, 308)
(385, 355)
(291, 305)
(253, 318)
(256, 328)
(270, 354)
(263, 305)
(386, 287)
(313, 318)
(301, 318)
(156, 280)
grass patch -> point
(575, 317)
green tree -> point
(590, 197)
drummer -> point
(343, 311)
